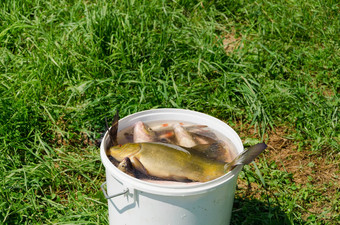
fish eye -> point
(163, 140)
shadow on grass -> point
(253, 211)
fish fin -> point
(113, 131)
(201, 130)
(229, 166)
(252, 152)
(113, 160)
(177, 147)
(138, 165)
(195, 127)
(214, 151)
(200, 147)
(179, 178)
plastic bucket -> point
(133, 201)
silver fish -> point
(216, 150)
(184, 138)
(143, 133)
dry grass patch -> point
(308, 168)
(231, 42)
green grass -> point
(66, 65)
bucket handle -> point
(112, 196)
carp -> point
(183, 137)
(168, 161)
(143, 133)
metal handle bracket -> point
(112, 196)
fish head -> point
(183, 137)
(119, 152)
(143, 133)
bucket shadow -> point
(253, 211)
(121, 210)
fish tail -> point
(229, 166)
(246, 157)
(113, 130)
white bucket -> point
(137, 202)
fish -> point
(189, 136)
(201, 132)
(168, 161)
(202, 140)
(143, 133)
(171, 162)
(216, 150)
(183, 137)
(126, 166)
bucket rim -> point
(133, 183)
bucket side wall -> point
(213, 207)
(148, 204)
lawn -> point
(269, 69)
